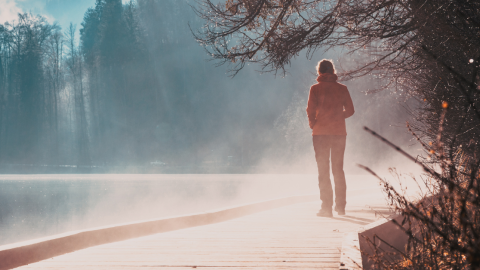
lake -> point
(33, 206)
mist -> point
(35, 206)
(136, 94)
(131, 95)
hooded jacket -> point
(329, 103)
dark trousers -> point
(323, 146)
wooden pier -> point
(288, 237)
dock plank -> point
(290, 237)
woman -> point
(329, 103)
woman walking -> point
(329, 103)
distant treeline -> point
(133, 89)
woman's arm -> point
(312, 108)
(348, 105)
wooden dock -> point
(290, 237)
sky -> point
(61, 11)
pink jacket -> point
(329, 103)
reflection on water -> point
(34, 206)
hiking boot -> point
(341, 212)
(325, 213)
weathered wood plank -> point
(291, 237)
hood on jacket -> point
(327, 77)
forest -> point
(98, 100)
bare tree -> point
(75, 67)
(428, 49)
(54, 73)
(272, 32)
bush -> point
(444, 225)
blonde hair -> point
(325, 66)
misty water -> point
(35, 206)
(157, 101)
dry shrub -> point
(443, 227)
